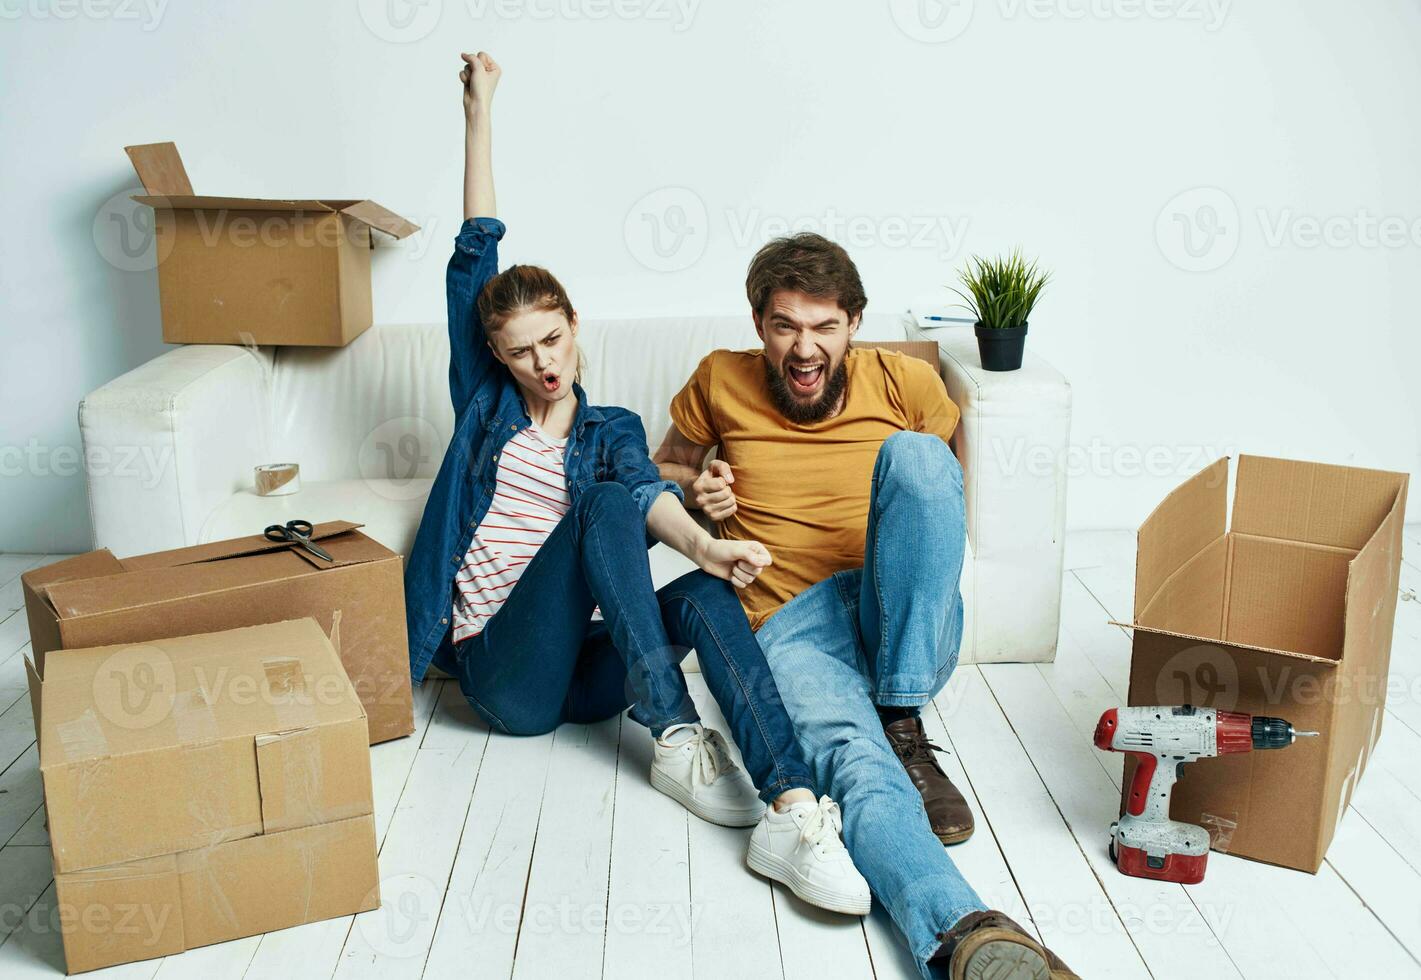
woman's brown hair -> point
(520, 288)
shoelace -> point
(821, 828)
(711, 760)
(917, 749)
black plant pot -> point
(1001, 348)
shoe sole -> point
(776, 868)
(1002, 959)
(724, 816)
(955, 838)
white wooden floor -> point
(553, 857)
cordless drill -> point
(1145, 842)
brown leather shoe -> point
(948, 812)
(989, 944)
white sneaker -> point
(801, 848)
(698, 774)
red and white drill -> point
(1145, 842)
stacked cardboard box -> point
(1288, 613)
(95, 599)
(234, 270)
(204, 788)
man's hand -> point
(740, 562)
(480, 77)
(712, 492)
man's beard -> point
(802, 412)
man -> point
(837, 460)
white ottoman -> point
(1013, 439)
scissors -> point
(298, 532)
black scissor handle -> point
(277, 532)
(303, 528)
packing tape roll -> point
(277, 479)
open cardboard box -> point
(1287, 612)
(96, 599)
(204, 788)
(237, 270)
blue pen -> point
(949, 319)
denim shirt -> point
(606, 444)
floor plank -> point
(1068, 905)
(483, 907)
(564, 919)
(416, 858)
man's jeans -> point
(539, 661)
(885, 634)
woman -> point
(542, 512)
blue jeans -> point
(885, 634)
(540, 661)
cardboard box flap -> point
(135, 697)
(155, 586)
(1215, 642)
(377, 217)
(89, 565)
(230, 548)
(160, 168)
(1184, 524)
(1337, 506)
(203, 202)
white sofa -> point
(172, 445)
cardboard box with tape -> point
(1287, 611)
(96, 599)
(203, 788)
(235, 270)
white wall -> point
(1067, 126)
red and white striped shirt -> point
(530, 497)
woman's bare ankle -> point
(791, 796)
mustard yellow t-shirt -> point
(803, 490)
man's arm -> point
(707, 490)
(680, 460)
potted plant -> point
(1001, 294)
